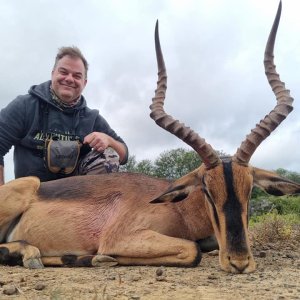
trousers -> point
(99, 162)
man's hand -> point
(98, 141)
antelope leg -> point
(20, 253)
(148, 247)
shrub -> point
(286, 204)
(273, 227)
(283, 205)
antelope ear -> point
(179, 190)
(274, 184)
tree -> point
(171, 164)
(175, 163)
(146, 167)
(294, 176)
(130, 165)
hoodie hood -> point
(42, 91)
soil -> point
(277, 277)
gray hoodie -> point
(28, 119)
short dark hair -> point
(73, 52)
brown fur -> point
(134, 219)
(112, 216)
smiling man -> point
(69, 78)
(54, 133)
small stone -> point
(159, 272)
(2, 283)
(39, 286)
(262, 254)
(10, 290)
(212, 277)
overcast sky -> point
(213, 52)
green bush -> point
(264, 203)
(273, 227)
(291, 218)
(286, 204)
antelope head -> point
(226, 183)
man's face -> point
(68, 78)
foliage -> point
(130, 165)
(294, 176)
(257, 193)
(286, 204)
(273, 227)
(170, 164)
(146, 167)
(175, 163)
(259, 206)
(265, 203)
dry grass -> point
(275, 228)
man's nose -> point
(69, 78)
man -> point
(49, 124)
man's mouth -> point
(68, 86)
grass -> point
(275, 219)
(275, 228)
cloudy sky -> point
(213, 51)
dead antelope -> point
(132, 219)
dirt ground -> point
(277, 277)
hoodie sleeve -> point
(101, 125)
(12, 125)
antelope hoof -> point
(104, 261)
(33, 263)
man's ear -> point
(274, 184)
(179, 190)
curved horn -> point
(209, 157)
(281, 110)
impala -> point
(133, 219)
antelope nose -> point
(239, 265)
